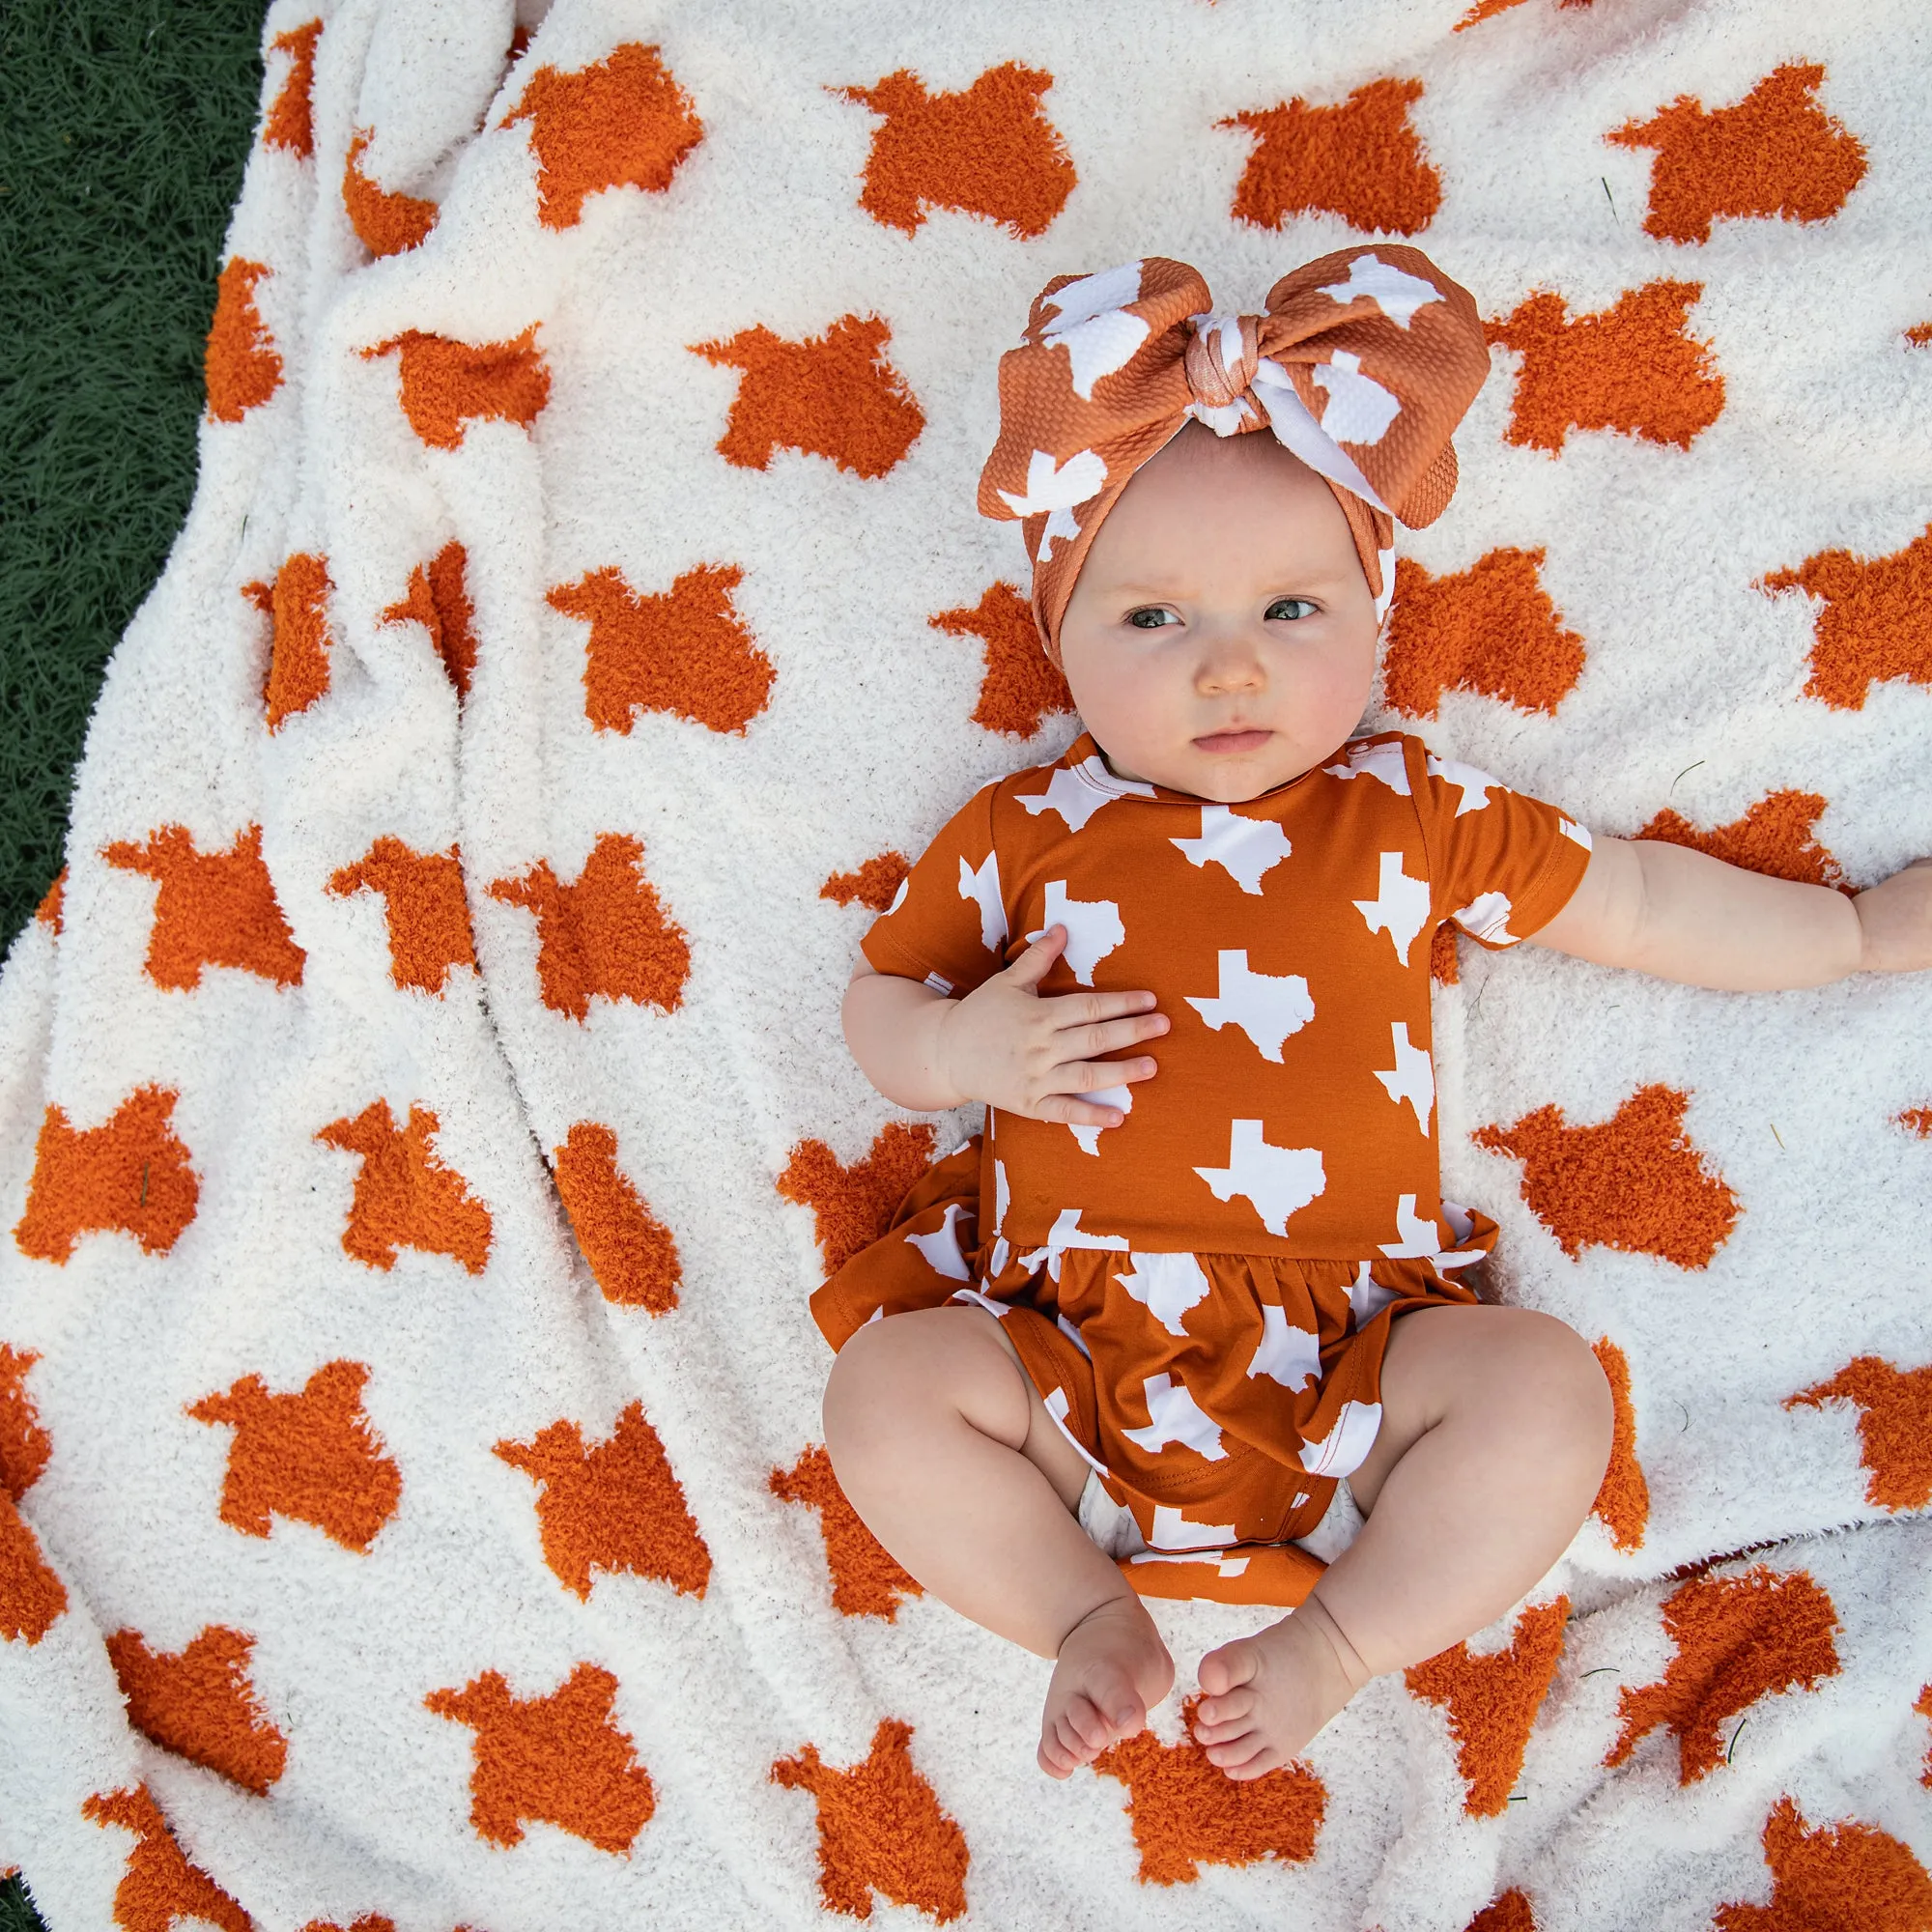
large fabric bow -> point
(1362, 364)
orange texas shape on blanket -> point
(1633, 367)
(1914, 1121)
(129, 1176)
(1738, 1639)
(1894, 1427)
(1623, 1497)
(1492, 1701)
(446, 386)
(386, 222)
(290, 123)
(213, 909)
(1360, 158)
(49, 911)
(853, 1206)
(874, 884)
(1876, 624)
(1490, 628)
(986, 150)
(1186, 1812)
(1021, 685)
(684, 650)
(32, 1596)
(1480, 11)
(1777, 151)
(623, 121)
(24, 1445)
(296, 605)
(606, 934)
(1633, 1183)
(199, 1703)
(881, 1829)
(437, 599)
(406, 1197)
(615, 1506)
(424, 911)
(560, 1759)
(1773, 836)
(310, 1456)
(239, 366)
(1509, 1911)
(832, 395)
(866, 1580)
(1839, 1876)
(160, 1888)
(631, 1254)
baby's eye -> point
(1152, 611)
(1292, 608)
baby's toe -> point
(1214, 1714)
(1259, 1765)
(1082, 1725)
(1227, 1668)
(1237, 1755)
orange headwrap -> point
(1362, 365)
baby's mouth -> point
(1250, 738)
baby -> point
(1171, 1299)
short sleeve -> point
(1504, 864)
(948, 925)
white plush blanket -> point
(380, 1561)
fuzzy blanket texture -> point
(422, 1112)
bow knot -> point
(1222, 355)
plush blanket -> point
(422, 1111)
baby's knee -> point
(893, 1376)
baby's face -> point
(1221, 637)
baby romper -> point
(1202, 1295)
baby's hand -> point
(1895, 917)
(1006, 1044)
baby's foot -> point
(1112, 1669)
(1267, 1694)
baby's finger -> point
(1089, 1043)
(1036, 961)
(1087, 1076)
(1072, 1112)
(1072, 1009)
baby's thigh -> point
(901, 1386)
(1501, 1381)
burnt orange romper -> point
(1201, 1294)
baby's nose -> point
(1233, 665)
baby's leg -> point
(1495, 1431)
(944, 1447)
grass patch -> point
(123, 128)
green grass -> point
(124, 128)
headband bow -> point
(1362, 365)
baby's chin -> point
(1223, 772)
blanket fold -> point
(422, 1116)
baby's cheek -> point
(1133, 704)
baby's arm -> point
(1680, 914)
(1002, 1044)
